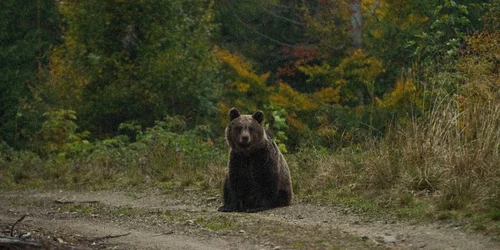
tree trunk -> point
(356, 21)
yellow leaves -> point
(378, 33)
(243, 69)
(241, 86)
(247, 89)
(414, 18)
(328, 95)
(315, 70)
(296, 124)
(325, 129)
(361, 67)
(399, 13)
(288, 98)
(404, 91)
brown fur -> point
(259, 177)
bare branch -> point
(78, 202)
(110, 237)
(373, 8)
(282, 17)
(13, 225)
(260, 33)
(15, 243)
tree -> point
(356, 23)
(135, 61)
(270, 34)
(27, 33)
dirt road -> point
(151, 219)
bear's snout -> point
(245, 139)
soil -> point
(188, 219)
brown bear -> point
(259, 177)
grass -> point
(82, 208)
(174, 216)
(125, 211)
(217, 223)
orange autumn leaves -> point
(251, 89)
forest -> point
(385, 104)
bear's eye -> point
(239, 128)
(251, 129)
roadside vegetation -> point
(407, 124)
(429, 170)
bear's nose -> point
(245, 139)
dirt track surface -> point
(150, 219)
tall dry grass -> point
(454, 151)
(449, 159)
(449, 154)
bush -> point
(18, 167)
(166, 154)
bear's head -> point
(245, 133)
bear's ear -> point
(258, 116)
(233, 114)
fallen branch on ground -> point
(107, 237)
(15, 223)
(164, 233)
(78, 202)
(16, 243)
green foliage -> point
(27, 34)
(439, 44)
(491, 17)
(167, 154)
(59, 131)
(19, 167)
(135, 61)
(278, 125)
(189, 149)
(387, 28)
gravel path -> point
(150, 219)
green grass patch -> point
(217, 223)
(176, 216)
(125, 211)
(300, 244)
(82, 208)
